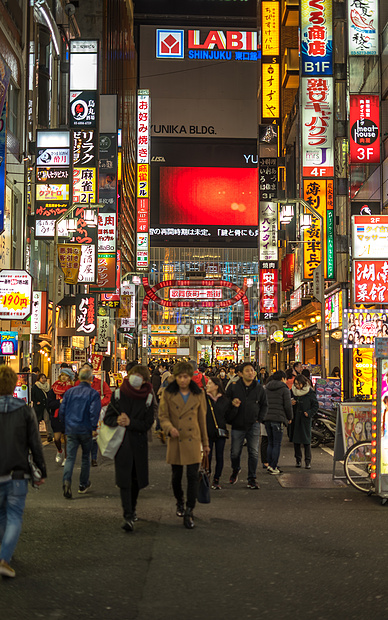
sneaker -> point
(83, 489)
(127, 526)
(94, 463)
(6, 570)
(308, 466)
(59, 457)
(298, 464)
(273, 472)
(234, 476)
(63, 463)
(252, 484)
(180, 509)
(67, 490)
(216, 485)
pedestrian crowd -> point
(192, 408)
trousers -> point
(192, 484)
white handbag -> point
(109, 440)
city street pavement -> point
(278, 552)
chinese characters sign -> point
(316, 37)
(370, 282)
(319, 195)
(15, 294)
(102, 334)
(268, 305)
(268, 231)
(268, 175)
(106, 272)
(362, 372)
(142, 181)
(84, 185)
(200, 293)
(364, 129)
(363, 19)
(107, 232)
(87, 268)
(39, 312)
(270, 22)
(270, 80)
(69, 259)
(83, 108)
(317, 126)
(370, 236)
(86, 317)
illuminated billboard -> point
(364, 129)
(317, 37)
(317, 126)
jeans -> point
(275, 435)
(298, 452)
(73, 441)
(129, 496)
(264, 449)
(12, 501)
(94, 450)
(219, 446)
(252, 435)
(192, 484)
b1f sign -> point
(364, 129)
(317, 37)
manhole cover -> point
(300, 480)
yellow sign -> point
(319, 195)
(165, 351)
(270, 80)
(363, 372)
(278, 336)
(50, 192)
(270, 28)
(163, 329)
(69, 255)
(143, 180)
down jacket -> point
(253, 406)
(279, 402)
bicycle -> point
(358, 466)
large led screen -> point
(208, 196)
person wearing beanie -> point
(182, 415)
(54, 400)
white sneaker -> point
(274, 472)
(59, 457)
(63, 462)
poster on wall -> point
(363, 19)
(328, 392)
(356, 421)
(361, 327)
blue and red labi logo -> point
(170, 44)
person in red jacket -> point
(198, 377)
(106, 394)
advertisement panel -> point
(270, 24)
(69, 256)
(316, 37)
(363, 372)
(268, 178)
(84, 185)
(86, 315)
(107, 232)
(39, 312)
(102, 338)
(364, 129)
(268, 293)
(143, 179)
(83, 108)
(8, 343)
(106, 273)
(369, 236)
(319, 195)
(317, 127)
(107, 172)
(15, 294)
(363, 19)
(50, 192)
(270, 93)
(356, 422)
(361, 327)
(333, 311)
(370, 282)
(87, 268)
(192, 293)
(268, 231)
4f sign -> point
(170, 44)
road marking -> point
(328, 450)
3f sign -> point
(365, 153)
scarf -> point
(215, 398)
(59, 388)
(301, 392)
(130, 392)
(42, 386)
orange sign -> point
(270, 20)
(270, 79)
(69, 255)
(319, 195)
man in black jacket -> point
(279, 413)
(18, 434)
(249, 408)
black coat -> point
(134, 449)
(253, 406)
(221, 407)
(279, 402)
(39, 396)
(300, 431)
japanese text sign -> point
(268, 231)
(69, 260)
(15, 294)
(102, 334)
(362, 372)
(86, 315)
(143, 128)
(316, 37)
(87, 268)
(364, 129)
(84, 185)
(83, 106)
(270, 25)
(201, 293)
(317, 126)
(268, 176)
(370, 236)
(39, 312)
(319, 195)
(363, 19)
(270, 96)
(8, 343)
(370, 282)
(268, 304)
(107, 232)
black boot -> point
(188, 519)
(180, 509)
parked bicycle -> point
(358, 466)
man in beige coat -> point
(182, 415)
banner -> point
(370, 281)
(363, 372)
(364, 129)
(319, 194)
(69, 256)
(317, 37)
(268, 304)
(317, 127)
(15, 294)
(363, 20)
(86, 317)
(268, 231)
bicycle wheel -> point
(357, 465)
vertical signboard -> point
(3, 152)
(364, 129)
(86, 315)
(317, 126)
(39, 312)
(143, 178)
(319, 195)
(363, 20)
(270, 66)
(316, 37)
(268, 177)
(268, 231)
(268, 294)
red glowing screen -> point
(218, 196)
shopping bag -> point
(203, 492)
(109, 440)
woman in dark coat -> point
(134, 409)
(218, 406)
(305, 406)
(39, 393)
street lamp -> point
(321, 272)
(71, 226)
